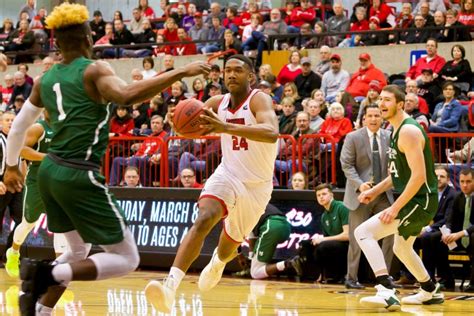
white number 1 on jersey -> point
(59, 101)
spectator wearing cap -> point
(447, 114)
(416, 34)
(371, 99)
(372, 39)
(412, 87)
(97, 26)
(266, 87)
(432, 61)
(214, 77)
(339, 22)
(324, 63)
(428, 88)
(258, 40)
(360, 80)
(17, 104)
(307, 80)
(334, 80)
(305, 13)
(290, 71)
(199, 31)
(215, 89)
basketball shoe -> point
(12, 266)
(161, 295)
(425, 298)
(36, 277)
(212, 273)
(386, 298)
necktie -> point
(466, 224)
(376, 163)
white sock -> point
(22, 231)
(42, 310)
(175, 277)
(280, 265)
(62, 273)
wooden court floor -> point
(124, 296)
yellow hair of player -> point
(66, 15)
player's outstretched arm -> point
(28, 115)
(411, 142)
(265, 131)
(109, 87)
(32, 136)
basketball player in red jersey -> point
(240, 188)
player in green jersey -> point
(36, 146)
(411, 175)
(78, 204)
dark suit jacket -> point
(444, 207)
(456, 216)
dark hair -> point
(140, 6)
(370, 106)
(23, 64)
(434, 40)
(442, 167)
(323, 186)
(447, 84)
(233, 10)
(243, 58)
(119, 14)
(467, 171)
(461, 48)
(305, 177)
(127, 116)
(149, 60)
(397, 91)
(69, 37)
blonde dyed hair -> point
(66, 15)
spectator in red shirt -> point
(184, 49)
(305, 13)
(145, 153)
(161, 50)
(198, 88)
(336, 124)
(147, 11)
(405, 18)
(289, 72)
(360, 80)
(382, 11)
(187, 177)
(432, 61)
(170, 32)
(232, 21)
(122, 123)
(466, 16)
(7, 90)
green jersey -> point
(333, 219)
(398, 165)
(80, 125)
(41, 146)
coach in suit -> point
(461, 220)
(364, 160)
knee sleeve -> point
(118, 259)
(77, 249)
(258, 269)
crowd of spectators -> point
(310, 99)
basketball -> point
(186, 119)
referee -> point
(11, 201)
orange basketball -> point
(186, 119)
